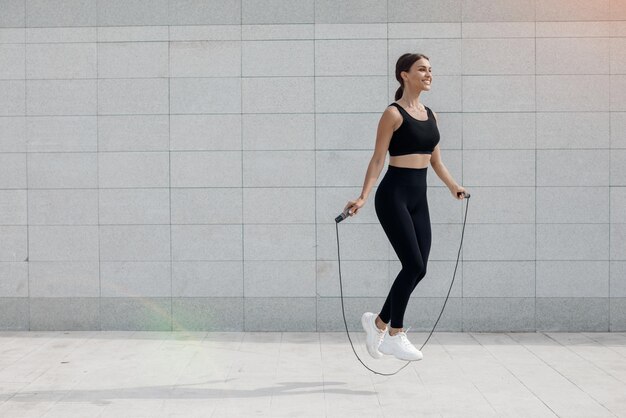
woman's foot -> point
(394, 331)
(373, 334)
(399, 346)
(380, 324)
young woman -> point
(408, 130)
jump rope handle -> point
(343, 215)
(464, 194)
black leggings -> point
(402, 209)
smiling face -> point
(419, 76)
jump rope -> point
(343, 216)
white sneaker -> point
(399, 346)
(374, 336)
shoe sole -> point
(407, 359)
(403, 359)
(400, 358)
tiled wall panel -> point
(178, 164)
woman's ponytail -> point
(399, 92)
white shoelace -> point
(404, 338)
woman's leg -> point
(397, 222)
(421, 224)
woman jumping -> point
(408, 130)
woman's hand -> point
(455, 190)
(354, 206)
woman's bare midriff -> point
(410, 160)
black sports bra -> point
(414, 136)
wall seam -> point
(536, 163)
(241, 127)
(609, 165)
(98, 173)
(169, 168)
(27, 180)
(462, 173)
(315, 172)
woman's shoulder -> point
(393, 110)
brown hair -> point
(404, 64)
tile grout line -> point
(556, 369)
(510, 371)
(283, 113)
(347, 75)
(98, 174)
(462, 176)
(292, 24)
(609, 165)
(29, 325)
(169, 177)
(315, 174)
(241, 128)
(536, 153)
(468, 377)
(549, 335)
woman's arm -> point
(441, 169)
(443, 173)
(383, 136)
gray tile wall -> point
(177, 164)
